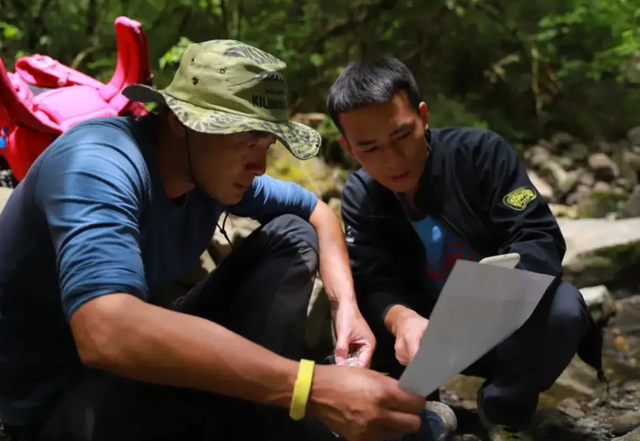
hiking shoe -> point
(438, 423)
(500, 432)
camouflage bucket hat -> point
(226, 86)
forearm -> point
(153, 344)
(334, 257)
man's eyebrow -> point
(399, 129)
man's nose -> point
(258, 166)
(393, 156)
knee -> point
(568, 313)
(294, 231)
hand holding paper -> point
(408, 336)
(479, 307)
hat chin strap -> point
(195, 182)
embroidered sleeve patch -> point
(520, 198)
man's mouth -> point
(241, 187)
(401, 176)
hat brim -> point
(302, 141)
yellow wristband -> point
(301, 390)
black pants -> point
(522, 366)
(260, 291)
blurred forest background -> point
(565, 71)
(525, 69)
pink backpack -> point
(43, 97)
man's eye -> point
(370, 149)
(404, 135)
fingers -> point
(414, 345)
(407, 403)
(398, 423)
(341, 350)
(399, 400)
(365, 356)
(402, 352)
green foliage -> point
(525, 69)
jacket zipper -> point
(453, 227)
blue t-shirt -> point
(442, 247)
(92, 218)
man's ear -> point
(176, 126)
(344, 143)
(424, 115)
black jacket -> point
(475, 184)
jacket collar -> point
(431, 173)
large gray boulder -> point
(599, 250)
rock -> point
(632, 159)
(554, 424)
(566, 384)
(574, 413)
(624, 420)
(566, 162)
(603, 188)
(537, 156)
(468, 437)
(633, 135)
(573, 177)
(320, 338)
(600, 302)
(622, 345)
(562, 140)
(568, 403)
(236, 228)
(587, 179)
(629, 164)
(561, 179)
(571, 407)
(544, 189)
(313, 174)
(632, 207)
(560, 210)
(603, 167)
(624, 184)
(578, 152)
(580, 196)
(604, 147)
(4, 196)
(632, 436)
(598, 249)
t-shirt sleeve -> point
(91, 192)
(268, 197)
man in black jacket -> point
(427, 197)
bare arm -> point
(353, 334)
(122, 334)
(335, 271)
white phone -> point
(503, 260)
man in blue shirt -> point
(117, 208)
(425, 198)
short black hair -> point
(366, 83)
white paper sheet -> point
(479, 307)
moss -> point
(599, 204)
(313, 174)
(604, 265)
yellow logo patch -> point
(519, 198)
